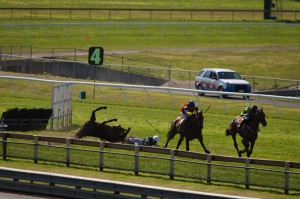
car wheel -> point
(221, 89)
(200, 88)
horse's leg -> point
(166, 145)
(246, 145)
(171, 134)
(112, 120)
(251, 149)
(93, 116)
(202, 144)
(179, 141)
(235, 144)
(187, 144)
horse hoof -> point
(207, 151)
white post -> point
(68, 152)
(35, 148)
(247, 183)
(172, 164)
(102, 144)
(208, 178)
(136, 159)
(286, 180)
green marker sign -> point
(96, 55)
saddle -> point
(240, 129)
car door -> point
(212, 82)
(206, 81)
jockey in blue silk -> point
(148, 141)
(187, 110)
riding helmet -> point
(156, 138)
(254, 108)
(192, 103)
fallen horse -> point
(102, 130)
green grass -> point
(277, 141)
(280, 131)
(189, 4)
(259, 49)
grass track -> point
(188, 4)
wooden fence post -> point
(208, 178)
(136, 159)
(4, 145)
(36, 149)
(68, 152)
(51, 122)
(286, 180)
(247, 183)
(102, 144)
(172, 164)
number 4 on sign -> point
(96, 55)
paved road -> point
(12, 195)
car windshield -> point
(229, 75)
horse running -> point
(102, 130)
(249, 132)
(192, 129)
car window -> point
(200, 73)
(207, 74)
(214, 75)
(229, 75)
(237, 76)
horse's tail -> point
(228, 132)
(82, 132)
(172, 131)
(231, 126)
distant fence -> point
(152, 76)
(249, 172)
(142, 14)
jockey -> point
(187, 110)
(148, 141)
(247, 114)
(151, 141)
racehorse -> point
(102, 130)
(248, 132)
(191, 129)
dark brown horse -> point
(249, 131)
(102, 130)
(192, 129)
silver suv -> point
(216, 79)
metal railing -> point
(141, 14)
(52, 184)
(126, 88)
(142, 159)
